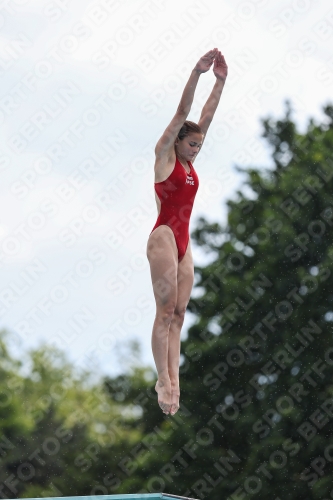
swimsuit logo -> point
(189, 180)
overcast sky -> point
(87, 87)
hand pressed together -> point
(206, 61)
(220, 67)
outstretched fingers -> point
(218, 59)
(222, 60)
(206, 61)
(212, 51)
(211, 54)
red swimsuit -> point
(177, 195)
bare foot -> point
(163, 390)
(175, 395)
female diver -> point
(168, 249)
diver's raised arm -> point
(167, 140)
(220, 70)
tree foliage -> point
(258, 361)
(257, 365)
(60, 432)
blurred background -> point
(87, 88)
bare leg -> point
(185, 278)
(163, 259)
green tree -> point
(257, 370)
(59, 434)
